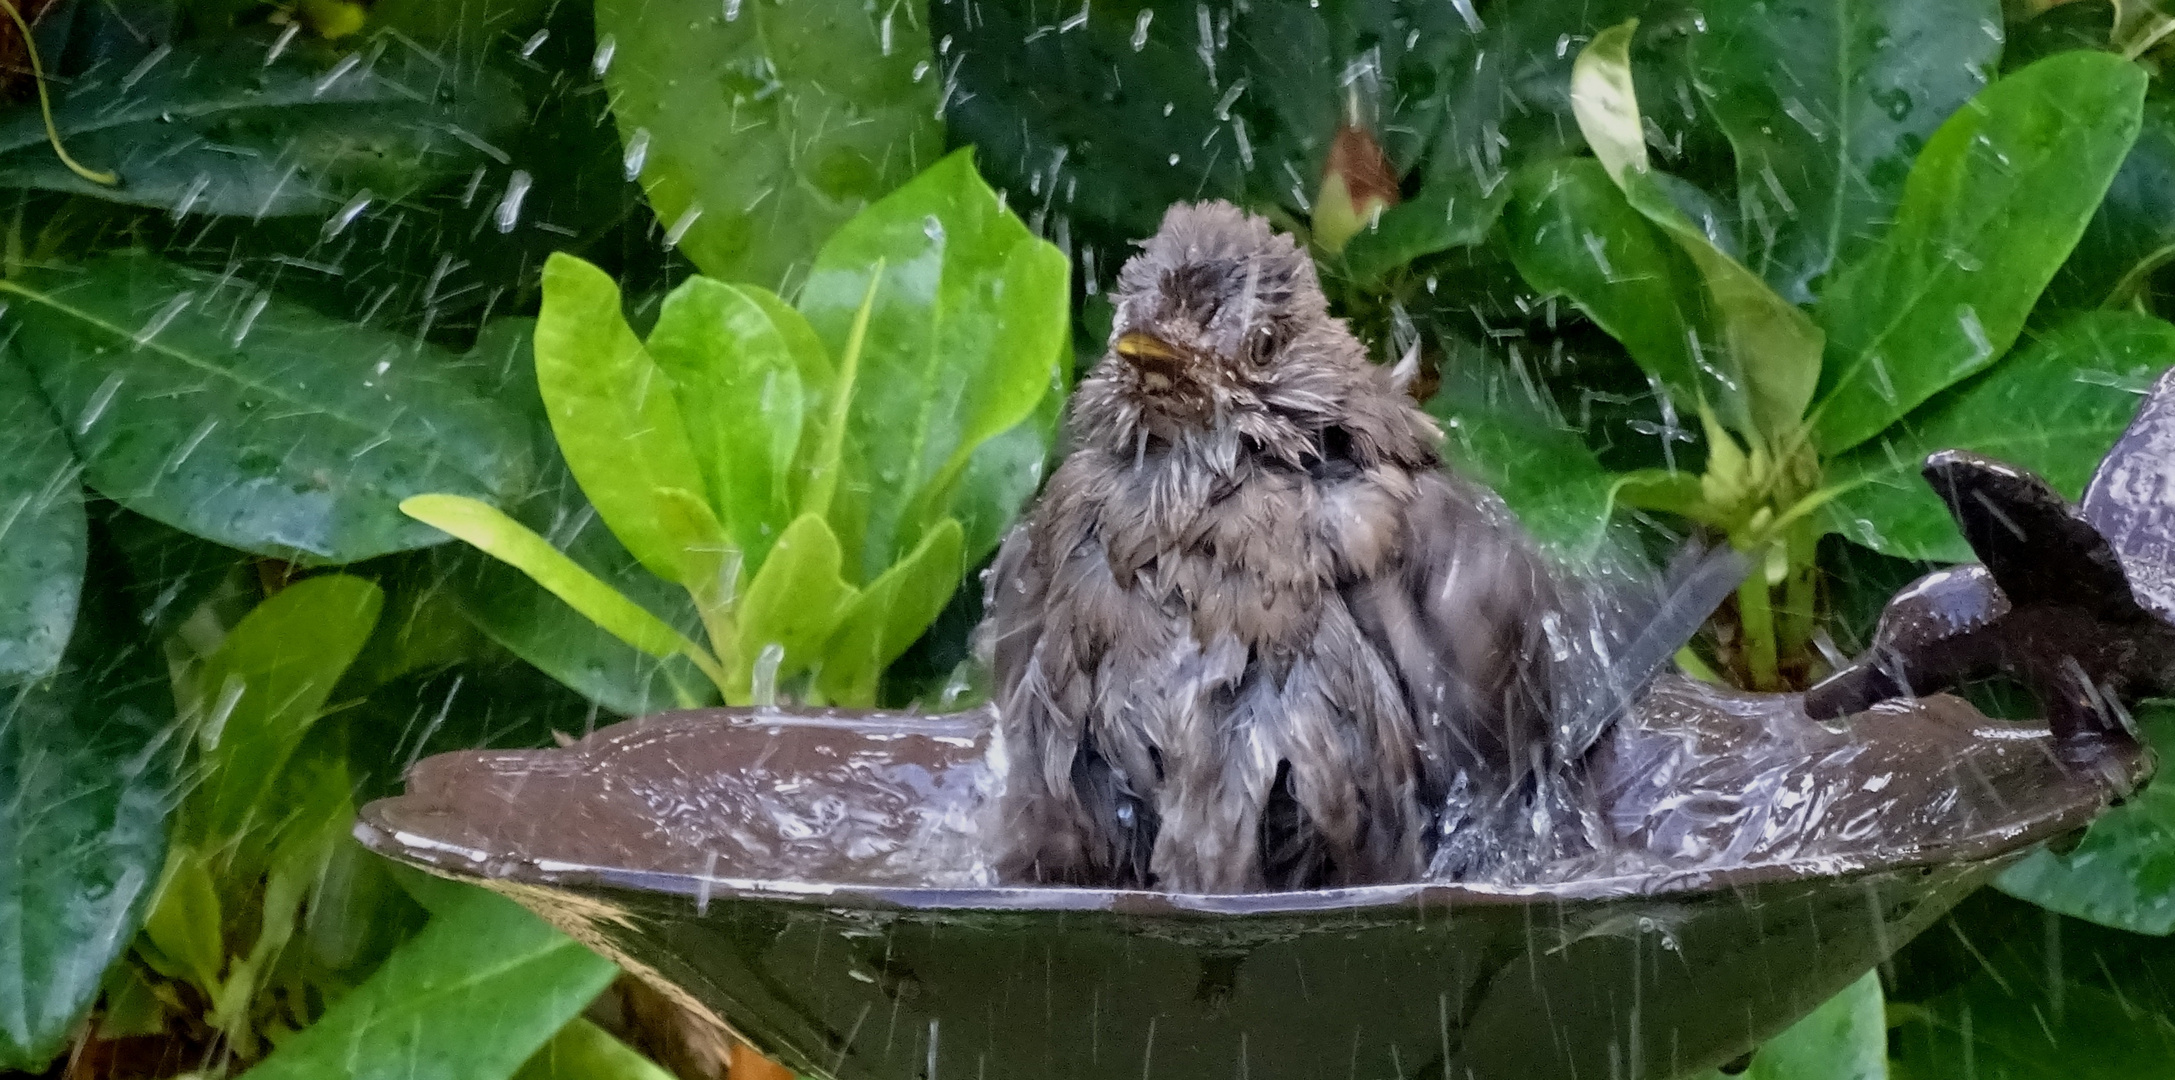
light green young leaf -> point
(1605, 103)
(736, 374)
(2054, 407)
(613, 410)
(889, 614)
(795, 603)
(1846, 1038)
(184, 931)
(583, 1051)
(260, 692)
(1993, 205)
(1764, 351)
(802, 113)
(511, 542)
(967, 329)
(470, 998)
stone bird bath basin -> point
(819, 883)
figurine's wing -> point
(2039, 549)
(2131, 499)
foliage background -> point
(308, 298)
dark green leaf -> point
(1003, 475)
(86, 765)
(1499, 431)
(966, 336)
(612, 408)
(1440, 217)
(1572, 233)
(470, 998)
(42, 529)
(1846, 1038)
(221, 410)
(260, 692)
(2021, 1029)
(2054, 407)
(738, 383)
(240, 127)
(804, 112)
(1826, 103)
(2133, 232)
(1992, 207)
(2123, 873)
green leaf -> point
(1992, 207)
(1003, 475)
(184, 936)
(737, 376)
(2020, 1029)
(2055, 407)
(86, 765)
(889, 614)
(260, 692)
(1826, 102)
(583, 1051)
(804, 112)
(511, 542)
(2133, 231)
(968, 329)
(212, 406)
(470, 998)
(1499, 432)
(1762, 352)
(1572, 233)
(42, 530)
(794, 602)
(1442, 216)
(2122, 874)
(232, 126)
(614, 412)
(1846, 1038)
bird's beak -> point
(1151, 354)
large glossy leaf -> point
(2054, 407)
(1572, 233)
(1826, 102)
(1761, 356)
(966, 336)
(470, 998)
(258, 695)
(222, 410)
(2133, 231)
(1498, 431)
(235, 126)
(42, 529)
(613, 410)
(737, 378)
(2122, 874)
(1992, 207)
(1003, 475)
(86, 771)
(765, 125)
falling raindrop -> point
(681, 224)
(1465, 11)
(1077, 21)
(508, 213)
(535, 42)
(602, 62)
(1140, 28)
(1245, 145)
(933, 229)
(637, 154)
(732, 10)
(256, 307)
(189, 198)
(1174, 159)
(338, 222)
(280, 43)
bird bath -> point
(821, 883)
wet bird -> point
(1253, 636)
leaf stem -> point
(1756, 615)
(45, 104)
